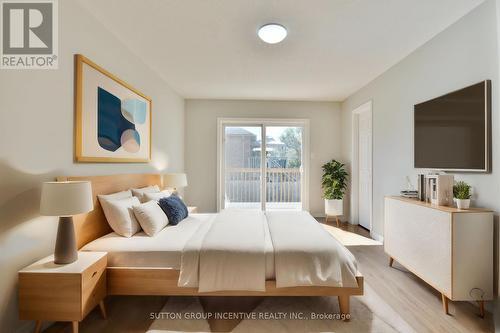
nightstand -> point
(192, 210)
(51, 292)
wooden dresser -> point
(450, 249)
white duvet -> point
(305, 254)
(229, 253)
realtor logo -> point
(29, 34)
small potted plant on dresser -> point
(334, 183)
(461, 193)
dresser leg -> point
(445, 303)
(481, 308)
(103, 309)
(391, 261)
(338, 222)
(75, 326)
(38, 326)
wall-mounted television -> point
(453, 132)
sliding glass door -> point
(283, 167)
(242, 167)
(261, 164)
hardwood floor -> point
(415, 301)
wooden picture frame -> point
(129, 138)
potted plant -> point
(461, 193)
(334, 184)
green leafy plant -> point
(334, 180)
(461, 190)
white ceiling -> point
(210, 49)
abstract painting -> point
(113, 120)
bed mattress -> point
(164, 249)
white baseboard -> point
(320, 215)
(496, 314)
(377, 237)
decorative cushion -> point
(120, 215)
(140, 192)
(174, 208)
(151, 217)
(157, 195)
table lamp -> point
(175, 180)
(65, 199)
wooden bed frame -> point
(163, 281)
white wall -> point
(463, 54)
(201, 142)
(36, 141)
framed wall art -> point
(112, 119)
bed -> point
(143, 265)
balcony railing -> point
(283, 187)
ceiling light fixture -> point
(272, 33)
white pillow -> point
(120, 215)
(151, 217)
(117, 195)
(157, 196)
(139, 192)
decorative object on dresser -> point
(51, 292)
(462, 194)
(409, 194)
(450, 249)
(112, 119)
(175, 180)
(421, 187)
(65, 199)
(334, 184)
(439, 189)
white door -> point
(364, 167)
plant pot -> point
(463, 203)
(334, 207)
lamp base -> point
(65, 251)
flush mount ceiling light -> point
(272, 33)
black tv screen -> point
(452, 132)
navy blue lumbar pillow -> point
(174, 208)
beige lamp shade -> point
(66, 198)
(175, 180)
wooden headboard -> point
(93, 225)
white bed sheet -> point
(162, 250)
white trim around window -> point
(263, 122)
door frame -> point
(365, 107)
(263, 122)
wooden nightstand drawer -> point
(93, 285)
(49, 296)
(50, 292)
